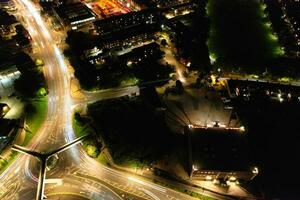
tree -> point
(179, 86)
(163, 42)
(92, 151)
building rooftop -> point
(132, 19)
(220, 149)
(75, 14)
(129, 32)
(7, 19)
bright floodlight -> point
(242, 128)
(194, 168)
(255, 170)
(208, 178)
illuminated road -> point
(80, 177)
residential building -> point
(7, 24)
(129, 20)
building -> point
(130, 37)
(129, 20)
(8, 131)
(7, 24)
(74, 15)
(140, 54)
(120, 40)
(169, 3)
(23, 38)
(218, 154)
(9, 46)
(8, 5)
(7, 69)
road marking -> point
(150, 194)
(57, 181)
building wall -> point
(215, 174)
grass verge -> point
(4, 164)
(35, 117)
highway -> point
(76, 176)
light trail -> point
(147, 184)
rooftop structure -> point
(120, 41)
(128, 37)
(130, 20)
(142, 53)
(7, 24)
(219, 153)
(74, 15)
(109, 8)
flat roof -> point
(219, 149)
(120, 21)
(6, 18)
(127, 33)
(75, 13)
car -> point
(225, 100)
(228, 107)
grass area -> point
(82, 128)
(35, 116)
(5, 164)
(241, 34)
(188, 192)
(124, 126)
(78, 128)
(101, 158)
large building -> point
(219, 154)
(7, 24)
(120, 40)
(129, 20)
(74, 15)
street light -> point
(255, 170)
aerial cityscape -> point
(149, 99)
